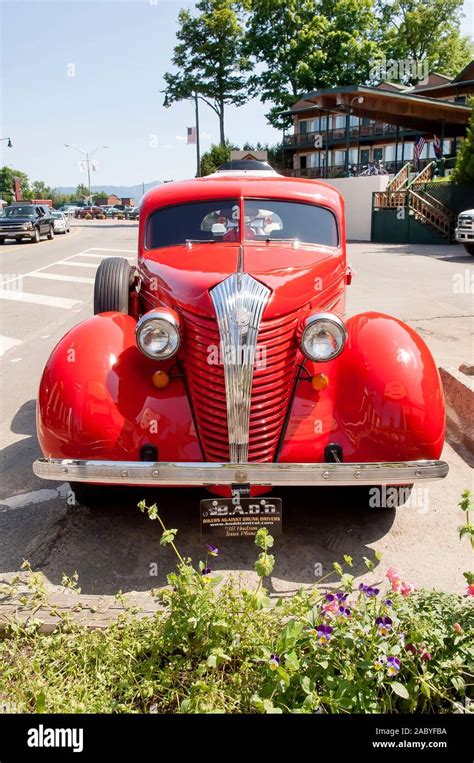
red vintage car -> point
(223, 359)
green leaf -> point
(399, 689)
(348, 560)
(168, 536)
(40, 702)
(368, 563)
(264, 565)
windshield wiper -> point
(294, 241)
(191, 241)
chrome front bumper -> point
(207, 474)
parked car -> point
(96, 212)
(129, 213)
(23, 220)
(134, 213)
(223, 358)
(61, 222)
(464, 232)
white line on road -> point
(38, 299)
(37, 496)
(45, 267)
(6, 343)
(78, 264)
(56, 277)
(103, 249)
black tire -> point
(113, 281)
(50, 235)
(37, 238)
(469, 249)
(2, 241)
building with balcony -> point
(342, 131)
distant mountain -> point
(135, 191)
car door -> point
(40, 220)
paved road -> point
(113, 547)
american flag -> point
(437, 147)
(190, 135)
(419, 146)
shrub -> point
(214, 647)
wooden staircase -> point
(403, 192)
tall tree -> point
(463, 173)
(209, 58)
(426, 33)
(304, 45)
(7, 174)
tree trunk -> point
(221, 123)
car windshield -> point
(26, 211)
(57, 215)
(216, 220)
(272, 220)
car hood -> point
(182, 278)
(15, 220)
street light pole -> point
(198, 151)
(88, 160)
(9, 144)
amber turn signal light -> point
(320, 381)
(160, 379)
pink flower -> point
(470, 589)
(394, 577)
(457, 628)
(407, 588)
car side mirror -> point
(218, 229)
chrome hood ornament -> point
(239, 302)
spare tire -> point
(113, 282)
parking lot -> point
(114, 546)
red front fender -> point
(384, 401)
(97, 398)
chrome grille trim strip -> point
(239, 302)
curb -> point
(459, 393)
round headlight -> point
(158, 334)
(324, 336)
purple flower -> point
(344, 611)
(206, 571)
(342, 596)
(368, 590)
(393, 666)
(324, 633)
(379, 662)
(212, 550)
(274, 662)
(384, 625)
(329, 597)
(388, 602)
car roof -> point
(230, 186)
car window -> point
(20, 211)
(171, 226)
(270, 219)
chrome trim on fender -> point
(206, 473)
(239, 302)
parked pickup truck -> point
(464, 232)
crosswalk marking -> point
(38, 299)
(6, 343)
(57, 277)
(78, 264)
(103, 249)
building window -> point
(303, 126)
(339, 158)
(389, 153)
(339, 122)
(378, 154)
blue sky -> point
(117, 52)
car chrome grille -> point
(273, 378)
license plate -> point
(227, 518)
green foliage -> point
(463, 173)
(216, 156)
(214, 647)
(422, 30)
(6, 183)
(303, 45)
(209, 57)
